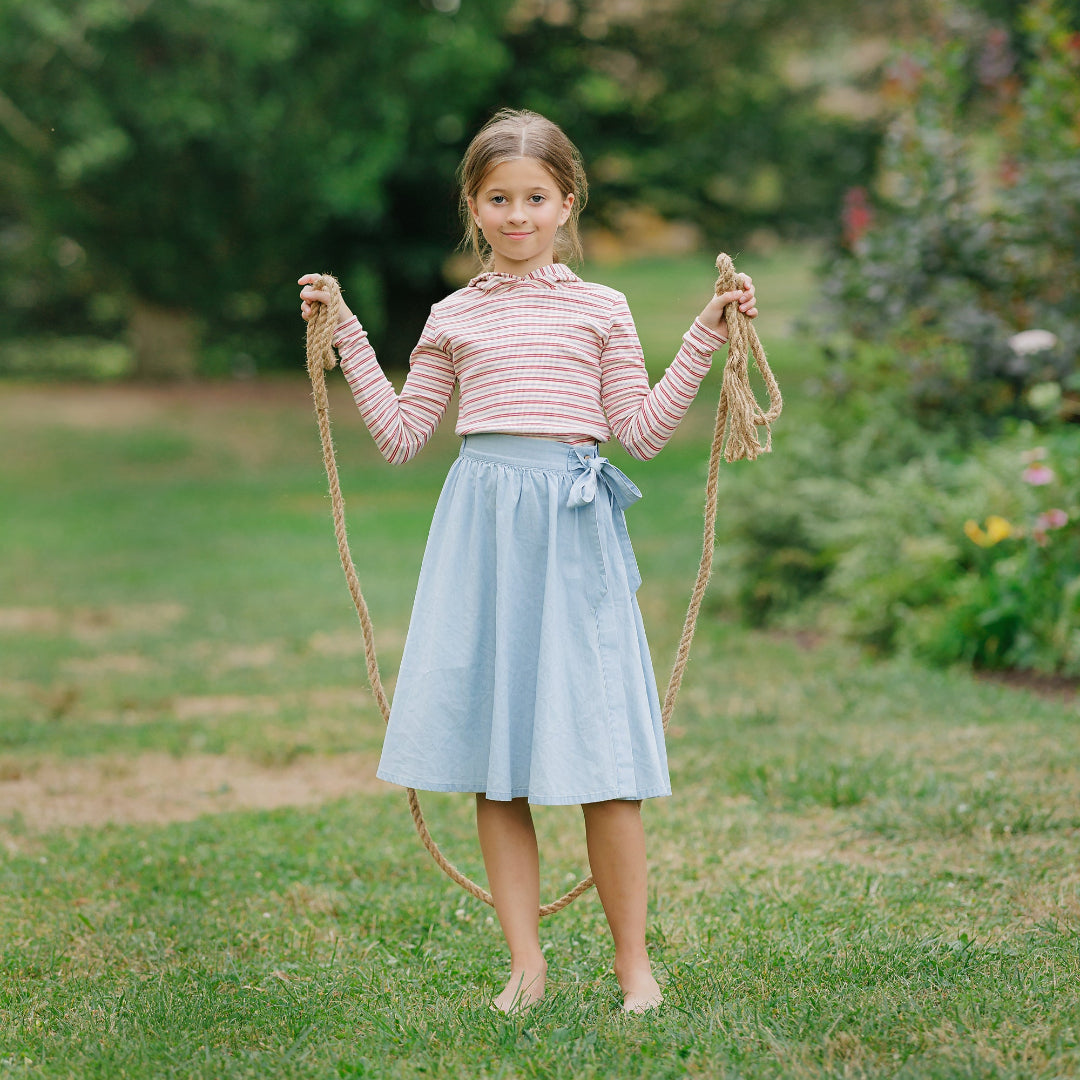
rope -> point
(738, 414)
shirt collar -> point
(549, 275)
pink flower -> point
(1052, 519)
(1039, 475)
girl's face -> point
(519, 208)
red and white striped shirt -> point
(543, 354)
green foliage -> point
(909, 557)
(65, 357)
(974, 233)
(686, 108)
(199, 158)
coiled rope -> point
(738, 416)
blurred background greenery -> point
(168, 169)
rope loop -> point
(738, 415)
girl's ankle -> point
(632, 967)
(535, 962)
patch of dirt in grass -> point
(18, 688)
(90, 624)
(120, 407)
(1054, 687)
(389, 639)
(159, 788)
(214, 706)
(250, 656)
(1050, 899)
(802, 638)
(342, 697)
(108, 664)
(96, 408)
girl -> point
(526, 675)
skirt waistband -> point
(526, 452)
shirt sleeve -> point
(401, 423)
(643, 419)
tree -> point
(177, 165)
(686, 107)
(171, 167)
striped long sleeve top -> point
(544, 354)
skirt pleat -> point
(526, 671)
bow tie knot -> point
(589, 471)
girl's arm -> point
(401, 423)
(644, 418)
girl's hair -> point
(519, 133)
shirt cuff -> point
(703, 339)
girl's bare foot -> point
(524, 989)
(641, 992)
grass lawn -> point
(867, 869)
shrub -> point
(969, 558)
(974, 231)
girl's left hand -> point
(713, 315)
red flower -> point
(857, 217)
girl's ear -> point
(472, 210)
(567, 204)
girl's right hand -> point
(310, 296)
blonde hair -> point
(518, 133)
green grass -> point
(867, 869)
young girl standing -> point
(526, 675)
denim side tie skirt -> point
(526, 671)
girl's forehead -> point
(518, 172)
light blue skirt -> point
(526, 672)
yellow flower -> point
(997, 529)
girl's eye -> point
(498, 199)
(537, 198)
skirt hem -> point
(533, 797)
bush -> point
(65, 357)
(969, 558)
(973, 234)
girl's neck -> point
(521, 268)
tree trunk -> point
(164, 341)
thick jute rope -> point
(738, 416)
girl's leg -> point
(508, 843)
(616, 841)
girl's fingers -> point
(314, 295)
(746, 300)
(734, 297)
